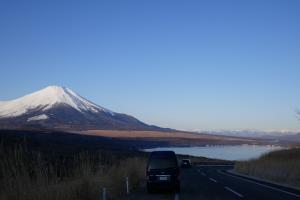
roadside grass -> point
(32, 175)
(282, 166)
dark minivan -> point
(162, 171)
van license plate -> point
(163, 178)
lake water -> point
(225, 152)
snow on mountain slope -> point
(38, 117)
(46, 99)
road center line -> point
(176, 196)
(212, 180)
(234, 192)
(270, 187)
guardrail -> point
(104, 190)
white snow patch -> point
(38, 117)
(47, 98)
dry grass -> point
(281, 166)
(159, 134)
(33, 176)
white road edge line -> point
(270, 187)
(234, 192)
(176, 196)
(214, 165)
(213, 180)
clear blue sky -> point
(179, 64)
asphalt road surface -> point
(214, 182)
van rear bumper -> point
(163, 184)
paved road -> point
(213, 182)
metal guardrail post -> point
(127, 185)
(103, 193)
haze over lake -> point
(225, 152)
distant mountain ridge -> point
(279, 135)
(56, 107)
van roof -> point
(163, 153)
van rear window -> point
(162, 163)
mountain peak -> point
(56, 107)
(56, 88)
(45, 99)
(53, 92)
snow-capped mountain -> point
(46, 99)
(61, 108)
